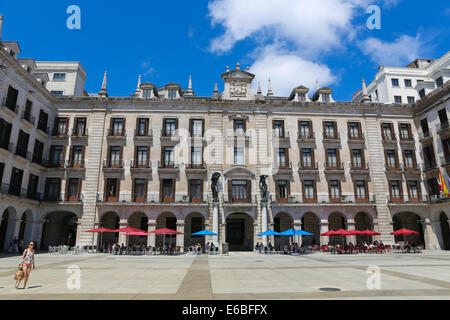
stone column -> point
(37, 233)
(215, 223)
(323, 229)
(255, 238)
(122, 237)
(16, 230)
(271, 239)
(298, 226)
(430, 238)
(436, 224)
(264, 226)
(180, 237)
(376, 229)
(151, 238)
(351, 226)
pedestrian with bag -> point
(27, 262)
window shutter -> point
(148, 156)
(118, 188)
(63, 155)
(67, 126)
(230, 191)
(324, 128)
(288, 184)
(83, 155)
(137, 127)
(335, 129)
(359, 130)
(70, 156)
(310, 127)
(121, 156)
(249, 189)
(244, 123)
(273, 124)
(191, 127)
(111, 120)
(203, 127)
(173, 188)
(133, 190)
(396, 158)
(124, 129)
(176, 124)
(79, 188)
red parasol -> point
(342, 232)
(136, 234)
(128, 229)
(328, 233)
(100, 230)
(165, 231)
(370, 233)
(404, 232)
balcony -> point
(9, 109)
(239, 135)
(443, 129)
(429, 167)
(306, 138)
(282, 168)
(230, 200)
(393, 200)
(393, 169)
(359, 168)
(23, 153)
(280, 138)
(58, 135)
(28, 119)
(445, 161)
(140, 167)
(389, 139)
(143, 136)
(407, 140)
(311, 167)
(322, 199)
(425, 137)
(112, 166)
(152, 199)
(170, 136)
(331, 139)
(76, 165)
(168, 167)
(334, 167)
(43, 129)
(411, 168)
(54, 164)
(78, 136)
(356, 140)
(116, 135)
(195, 168)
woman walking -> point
(27, 262)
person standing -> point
(28, 262)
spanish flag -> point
(443, 184)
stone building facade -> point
(73, 163)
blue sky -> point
(291, 41)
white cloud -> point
(288, 70)
(148, 69)
(396, 53)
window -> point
(282, 190)
(326, 97)
(439, 82)
(396, 190)
(5, 133)
(354, 130)
(239, 155)
(168, 154)
(307, 158)
(112, 188)
(413, 190)
(411, 100)
(38, 151)
(240, 190)
(195, 190)
(118, 127)
(332, 158)
(408, 83)
(11, 99)
(405, 131)
(397, 99)
(422, 93)
(15, 183)
(196, 156)
(391, 159)
(305, 129)
(32, 187)
(22, 144)
(357, 159)
(361, 190)
(168, 190)
(301, 96)
(196, 127)
(239, 126)
(52, 189)
(283, 158)
(395, 82)
(278, 128)
(43, 120)
(27, 111)
(170, 127)
(80, 127)
(77, 157)
(73, 189)
(2, 170)
(330, 129)
(309, 191)
(142, 157)
(409, 159)
(335, 190)
(56, 156)
(60, 127)
(57, 92)
(196, 226)
(424, 126)
(142, 127)
(59, 76)
(115, 157)
(428, 154)
(387, 131)
(140, 190)
(443, 118)
(147, 93)
(433, 187)
(172, 94)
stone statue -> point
(263, 188)
(214, 180)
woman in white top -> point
(27, 262)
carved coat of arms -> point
(238, 89)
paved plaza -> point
(237, 276)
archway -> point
(166, 220)
(445, 231)
(60, 228)
(336, 221)
(138, 220)
(193, 223)
(363, 222)
(239, 232)
(409, 221)
(311, 224)
(4, 229)
(283, 221)
(110, 220)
